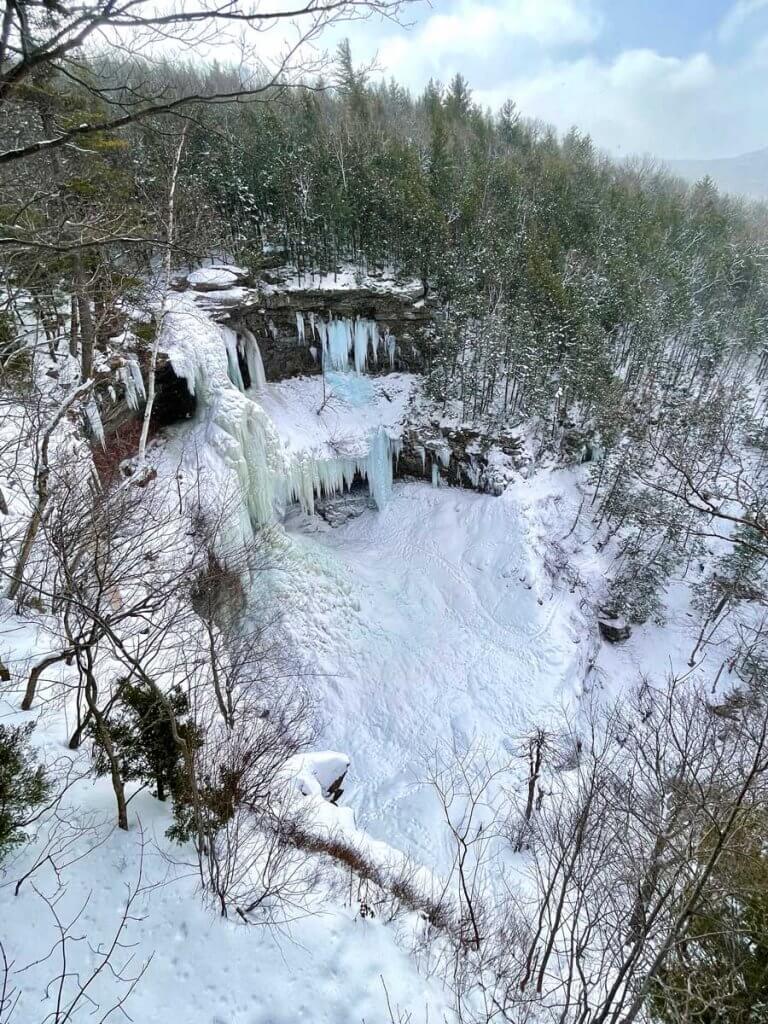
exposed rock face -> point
(335, 790)
(269, 309)
(272, 319)
(461, 457)
(340, 508)
(173, 402)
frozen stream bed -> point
(429, 622)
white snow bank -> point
(432, 622)
(326, 967)
(214, 277)
(338, 416)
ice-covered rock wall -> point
(370, 325)
(346, 343)
(282, 446)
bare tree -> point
(104, 988)
(645, 799)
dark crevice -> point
(173, 402)
(242, 362)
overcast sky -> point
(673, 78)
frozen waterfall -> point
(275, 462)
(311, 478)
(243, 351)
(346, 344)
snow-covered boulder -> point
(318, 774)
(615, 630)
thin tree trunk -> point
(37, 671)
(105, 741)
(42, 470)
(170, 233)
(74, 326)
(87, 329)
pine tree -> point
(24, 785)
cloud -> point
(643, 102)
(737, 17)
(478, 28)
(472, 31)
(551, 58)
(574, 62)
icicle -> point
(322, 330)
(340, 342)
(472, 472)
(233, 363)
(133, 382)
(300, 327)
(444, 455)
(435, 475)
(397, 447)
(342, 338)
(361, 338)
(138, 380)
(130, 388)
(309, 478)
(93, 419)
(380, 468)
(313, 352)
(390, 344)
(253, 359)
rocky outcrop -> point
(267, 304)
(460, 456)
(399, 310)
(338, 509)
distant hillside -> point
(746, 174)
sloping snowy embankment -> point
(432, 620)
(325, 967)
(451, 618)
(262, 448)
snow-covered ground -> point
(430, 622)
(336, 416)
(442, 617)
(329, 966)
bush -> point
(141, 733)
(23, 785)
(16, 367)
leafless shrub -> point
(620, 856)
(395, 889)
(102, 990)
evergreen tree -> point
(141, 733)
(24, 785)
